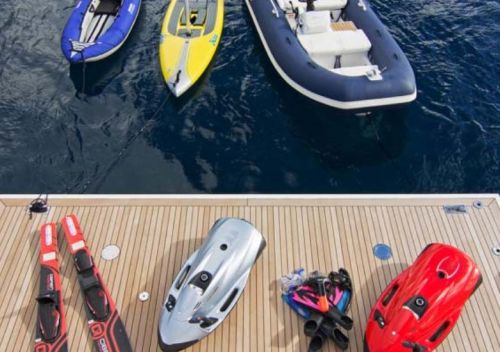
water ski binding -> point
(50, 335)
(105, 324)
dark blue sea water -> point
(242, 129)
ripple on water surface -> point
(242, 129)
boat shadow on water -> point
(303, 140)
(195, 91)
(92, 78)
(308, 131)
(339, 137)
(343, 141)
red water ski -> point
(50, 335)
(106, 327)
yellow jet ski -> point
(188, 43)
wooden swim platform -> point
(156, 234)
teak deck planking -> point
(156, 235)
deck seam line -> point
(492, 201)
(290, 229)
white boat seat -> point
(319, 5)
(335, 43)
(315, 22)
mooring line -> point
(129, 142)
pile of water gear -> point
(322, 300)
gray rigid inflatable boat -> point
(209, 284)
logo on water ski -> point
(71, 226)
(41, 348)
(97, 330)
(103, 345)
(48, 235)
(50, 282)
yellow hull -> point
(186, 51)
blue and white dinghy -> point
(336, 52)
(98, 28)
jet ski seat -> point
(319, 5)
(108, 7)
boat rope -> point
(83, 72)
(159, 108)
(130, 141)
(84, 65)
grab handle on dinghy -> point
(274, 11)
(362, 5)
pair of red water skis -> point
(105, 324)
